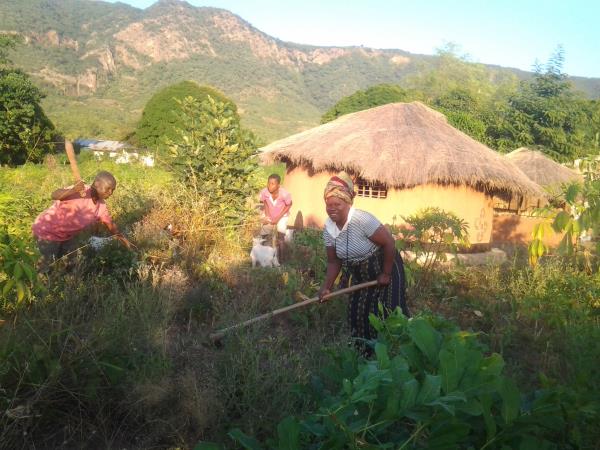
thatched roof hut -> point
(515, 221)
(541, 169)
(402, 145)
(409, 152)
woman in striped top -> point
(364, 249)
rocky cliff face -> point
(84, 83)
(164, 40)
(96, 53)
(173, 30)
(52, 39)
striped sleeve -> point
(327, 238)
(369, 223)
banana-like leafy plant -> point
(18, 277)
(578, 221)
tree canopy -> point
(377, 95)
(161, 118)
(26, 134)
(548, 113)
(543, 112)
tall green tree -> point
(548, 113)
(7, 43)
(215, 156)
(26, 134)
(452, 71)
(377, 95)
(465, 112)
(161, 118)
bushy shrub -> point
(161, 119)
(26, 134)
(216, 157)
(429, 234)
(579, 220)
(377, 95)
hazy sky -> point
(505, 32)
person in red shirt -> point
(74, 209)
(276, 207)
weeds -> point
(114, 352)
(18, 277)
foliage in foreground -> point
(18, 276)
(578, 220)
(114, 353)
(431, 386)
(543, 320)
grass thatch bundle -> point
(541, 169)
(402, 145)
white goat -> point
(289, 235)
(263, 255)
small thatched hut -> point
(543, 171)
(404, 157)
(514, 221)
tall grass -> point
(114, 352)
(69, 360)
(542, 320)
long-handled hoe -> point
(215, 337)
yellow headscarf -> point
(340, 186)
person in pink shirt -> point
(74, 209)
(277, 203)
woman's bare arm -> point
(334, 265)
(383, 238)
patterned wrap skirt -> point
(367, 301)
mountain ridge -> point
(101, 54)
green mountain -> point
(99, 63)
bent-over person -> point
(364, 249)
(74, 209)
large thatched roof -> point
(541, 169)
(401, 145)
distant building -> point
(515, 217)
(122, 152)
(543, 171)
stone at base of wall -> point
(493, 257)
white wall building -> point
(121, 152)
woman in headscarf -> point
(364, 249)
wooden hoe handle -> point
(72, 161)
(221, 333)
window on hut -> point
(371, 189)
